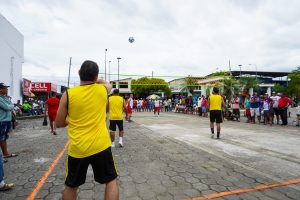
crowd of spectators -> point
(262, 109)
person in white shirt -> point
(199, 103)
(275, 99)
(156, 107)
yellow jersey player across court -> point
(116, 105)
(215, 103)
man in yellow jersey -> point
(116, 106)
(214, 104)
(83, 110)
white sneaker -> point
(120, 144)
(112, 145)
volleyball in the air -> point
(131, 39)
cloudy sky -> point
(172, 37)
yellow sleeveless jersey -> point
(87, 120)
(116, 107)
(215, 102)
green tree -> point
(145, 86)
(221, 73)
(294, 85)
(207, 91)
(248, 82)
(279, 88)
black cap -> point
(2, 85)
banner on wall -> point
(26, 86)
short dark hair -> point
(216, 90)
(88, 71)
(116, 91)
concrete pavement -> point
(166, 157)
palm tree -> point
(248, 82)
(231, 87)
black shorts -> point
(276, 111)
(236, 111)
(114, 123)
(215, 116)
(103, 167)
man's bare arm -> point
(61, 116)
(107, 85)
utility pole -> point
(109, 71)
(69, 72)
(105, 64)
(118, 72)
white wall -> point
(11, 58)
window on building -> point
(123, 84)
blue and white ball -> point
(131, 39)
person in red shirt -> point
(144, 105)
(283, 104)
(52, 105)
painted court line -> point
(42, 180)
(246, 190)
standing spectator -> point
(283, 104)
(166, 105)
(203, 107)
(298, 115)
(83, 110)
(150, 105)
(170, 105)
(199, 103)
(254, 103)
(215, 104)
(275, 99)
(156, 107)
(145, 105)
(248, 106)
(235, 102)
(52, 107)
(6, 108)
(266, 107)
(129, 106)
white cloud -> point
(173, 37)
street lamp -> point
(109, 70)
(105, 64)
(255, 69)
(240, 70)
(118, 72)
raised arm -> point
(61, 116)
(107, 85)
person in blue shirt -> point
(6, 108)
(255, 107)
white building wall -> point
(11, 58)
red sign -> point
(42, 87)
